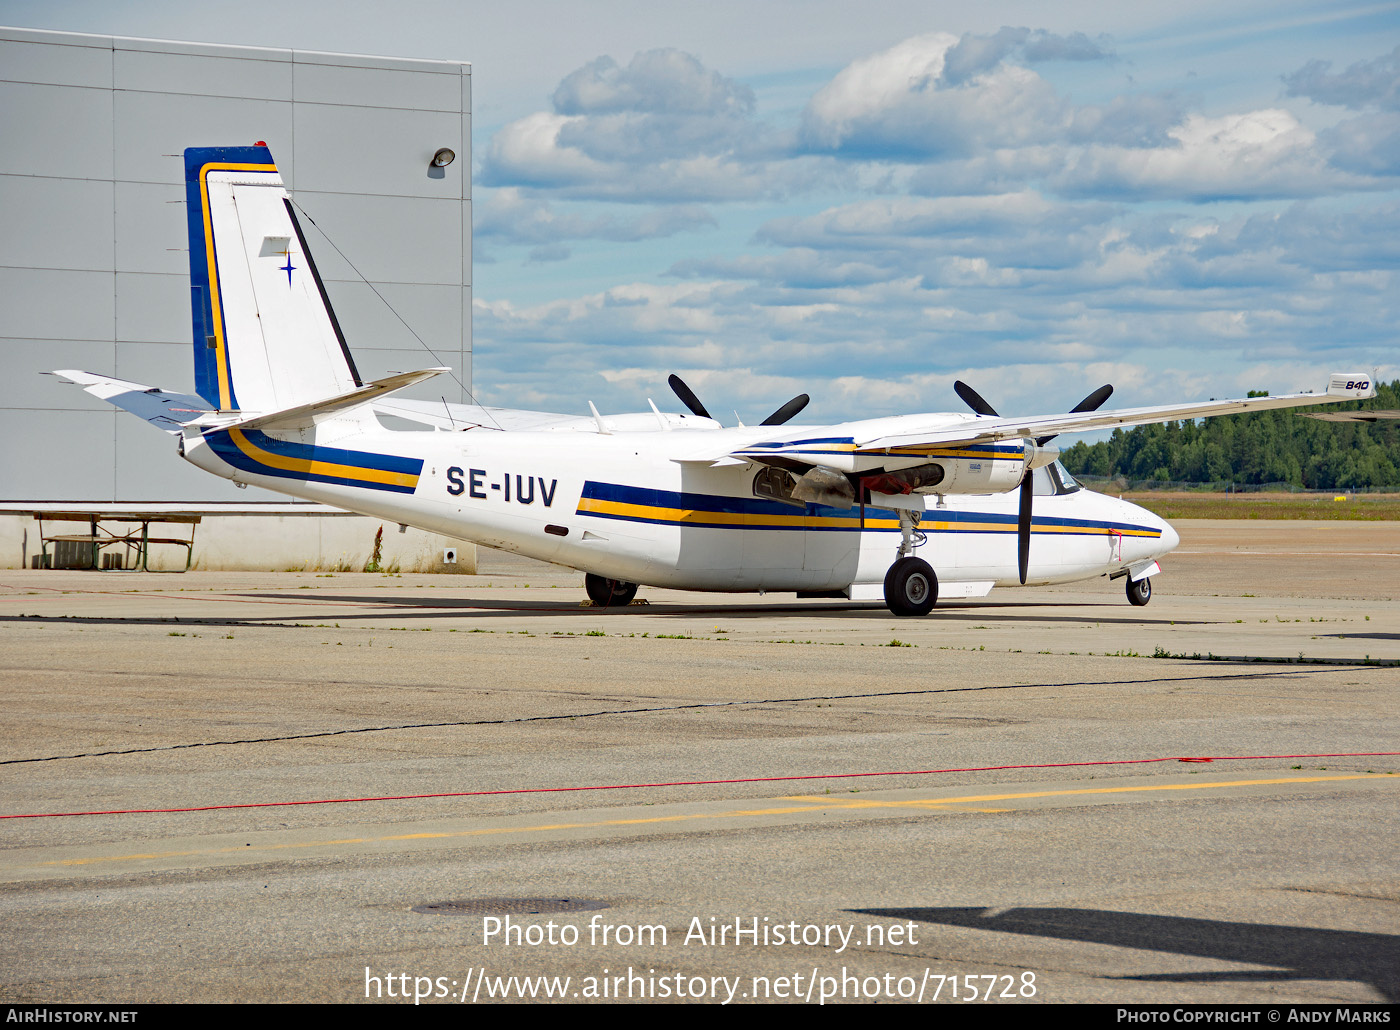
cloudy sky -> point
(865, 201)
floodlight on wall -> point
(442, 158)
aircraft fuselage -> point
(619, 506)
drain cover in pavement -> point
(509, 906)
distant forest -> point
(1259, 447)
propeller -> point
(688, 398)
(975, 401)
(787, 411)
(687, 395)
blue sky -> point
(867, 201)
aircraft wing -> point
(914, 435)
(987, 429)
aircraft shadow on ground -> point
(1295, 952)
(485, 607)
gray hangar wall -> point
(94, 266)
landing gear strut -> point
(609, 593)
(1140, 591)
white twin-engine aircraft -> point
(666, 499)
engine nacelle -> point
(978, 469)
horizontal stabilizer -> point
(303, 416)
(161, 408)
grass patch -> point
(1181, 505)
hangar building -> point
(94, 268)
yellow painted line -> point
(810, 805)
(983, 798)
(933, 804)
(430, 836)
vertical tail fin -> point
(265, 337)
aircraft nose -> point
(1169, 537)
(1150, 547)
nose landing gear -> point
(1140, 591)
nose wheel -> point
(911, 588)
(1140, 591)
(609, 593)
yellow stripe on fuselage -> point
(682, 516)
(1036, 527)
(740, 520)
(310, 466)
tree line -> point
(1258, 447)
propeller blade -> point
(1023, 527)
(1094, 401)
(687, 396)
(1090, 403)
(973, 399)
(787, 411)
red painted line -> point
(693, 783)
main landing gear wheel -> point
(1140, 591)
(609, 593)
(911, 588)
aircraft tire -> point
(609, 593)
(1140, 591)
(911, 587)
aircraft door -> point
(832, 538)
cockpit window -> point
(1065, 483)
(1053, 480)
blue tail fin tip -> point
(196, 158)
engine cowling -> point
(970, 470)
